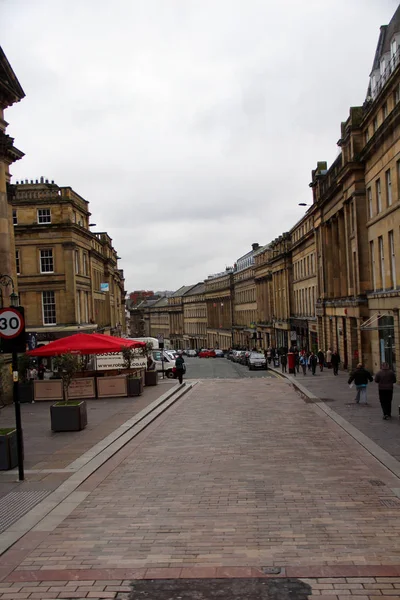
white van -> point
(161, 357)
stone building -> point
(220, 302)
(10, 93)
(380, 155)
(264, 297)
(176, 316)
(195, 317)
(160, 319)
(280, 263)
(68, 277)
(245, 305)
(304, 292)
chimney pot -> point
(255, 246)
(42, 180)
(37, 180)
(47, 181)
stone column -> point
(328, 260)
(335, 258)
(342, 249)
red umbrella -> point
(86, 343)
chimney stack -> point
(255, 246)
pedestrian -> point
(180, 368)
(297, 360)
(386, 378)
(269, 355)
(329, 358)
(361, 377)
(283, 362)
(321, 360)
(41, 371)
(303, 363)
(335, 359)
(313, 361)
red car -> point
(207, 354)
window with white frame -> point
(15, 216)
(381, 262)
(382, 67)
(388, 188)
(392, 260)
(370, 206)
(46, 261)
(17, 262)
(49, 308)
(44, 216)
(378, 195)
(393, 48)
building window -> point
(388, 188)
(393, 49)
(46, 261)
(17, 262)
(85, 263)
(372, 260)
(396, 94)
(15, 216)
(381, 262)
(49, 308)
(375, 124)
(76, 261)
(74, 217)
(392, 260)
(384, 111)
(43, 215)
(378, 196)
(369, 199)
(366, 136)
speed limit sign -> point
(11, 323)
(12, 330)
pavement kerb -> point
(377, 452)
(51, 511)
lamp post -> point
(5, 281)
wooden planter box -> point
(25, 392)
(151, 378)
(68, 417)
(8, 450)
(135, 386)
(48, 389)
(111, 387)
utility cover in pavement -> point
(218, 589)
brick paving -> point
(368, 419)
(236, 476)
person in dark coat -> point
(283, 362)
(335, 362)
(361, 377)
(180, 368)
(313, 361)
(321, 360)
(386, 378)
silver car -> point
(257, 361)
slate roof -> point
(199, 288)
(386, 34)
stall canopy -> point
(86, 343)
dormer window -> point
(382, 67)
(393, 49)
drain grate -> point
(271, 570)
(15, 505)
(376, 482)
(390, 502)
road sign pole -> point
(18, 424)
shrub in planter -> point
(68, 415)
(25, 385)
(8, 449)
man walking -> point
(361, 377)
(321, 360)
(335, 362)
(313, 360)
(180, 368)
(386, 378)
(303, 362)
(283, 362)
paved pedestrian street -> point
(237, 478)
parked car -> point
(257, 360)
(244, 357)
(191, 352)
(238, 355)
(207, 354)
(219, 354)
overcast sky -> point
(191, 126)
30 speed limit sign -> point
(11, 323)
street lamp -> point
(5, 281)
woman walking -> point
(361, 377)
